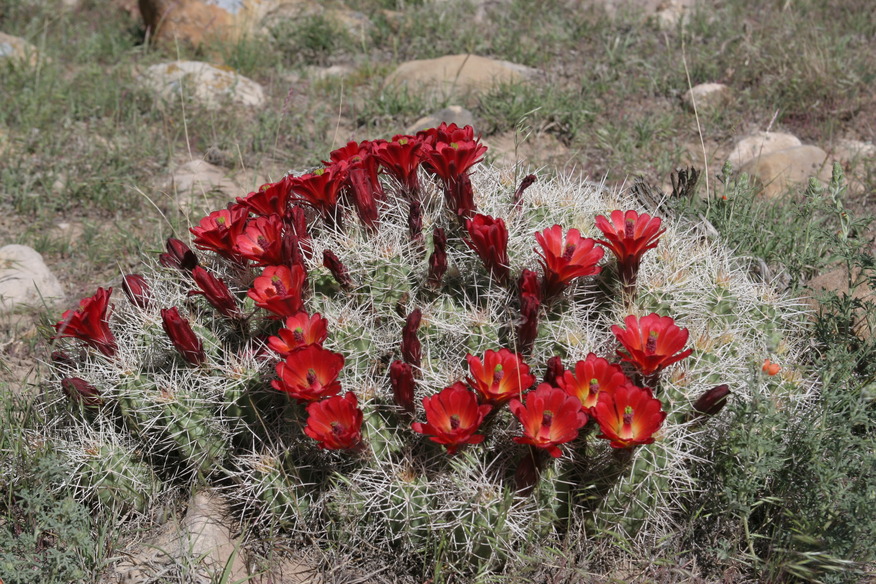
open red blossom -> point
(550, 417)
(489, 239)
(90, 323)
(564, 258)
(336, 423)
(446, 133)
(262, 241)
(401, 159)
(629, 235)
(216, 292)
(300, 330)
(500, 376)
(651, 342)
(320, 190)
(451, 162)
(310, 373)
(591, 377)
(218, 231)
(178, 255)
(452, 417)
(628, 416)
(270, 199)
(278, 289)
(182, 336)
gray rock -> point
(706, 96)
(18, 51)
(779, 171)
(197, 183)
(454, 114)
(25, 280)
(206, 84)
(761, 144)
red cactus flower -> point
(446, 133)
(565, 258)
(300, 330)
(178, 255)
(438, 258)
(262, 241)
(451, 162)
(401, 159)
(137, 290)
(270, 199)
(499, 377)
(216, 292)
(628, 416)
(489, 239)
(320, 190)
(652, 342)
(359, 156)
(528, 284)
(550, 417)
(591, 377)
(712, 401)
(411, 348)
(218, 231)
(335, 423)
(629, 235)
(337, 268)
(452, 417)
(182, 336)
(364, 196)
(770, 368)
(278, 289)
(310, 373)
(80, 391)
(90, 323)
(401, 377)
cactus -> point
(219, 421)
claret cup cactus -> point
(407, 355)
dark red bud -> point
(401, 376)
(215, 291)
(438, 258)
(554, 371)
(363, 197)
(182, 336)
(712, 401)
(137, 290)
(80, 391)
(178, 256)
(524, 184)
(415, 220)
(62, 360)
(338, 269)
(529, 284)
(410, 345)
(528, 329)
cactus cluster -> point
(301, 356)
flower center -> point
(628, 415)
(454, 422)
(278, 285)
(337, 428)
(651, 344)
(547, 417)
(594, 387)
(262, 241)
(220, 221)
(298, 335)
(498, 374)
(629, 226)
(311, 376)
(567, 253)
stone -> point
(837, 280)
(706, 96)
(333, 72)
(854, 150)
(457, 75)
(453, 114)
(18, 51)
(760, 144)
(197, 183)
(205, 536)
(527, 151)
(779, 171)
(666, 13)
(25, 280)
(208, 85)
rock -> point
(456, 75)
(205, 536)
(777, 171)
(189, 21)
(852, 150)
(25, 280)
(206, 84)
(760, 144)
(18, 51)
(199, 183)
(837, 280)
(706, 96)
(530, 150)
(667, 13)
(333, 72)
(453, 114)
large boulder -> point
(778, 171)
(761, 144)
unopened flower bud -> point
(401, 376)
(712, 401)
(137, 290)
(178, 256)
(215, 291)
(80, 391)
(554, 371)
(410, 345)
(182, 336)
(337, 268)
(438, 258)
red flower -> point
(712, 401)
(550, 417)
(262, 241)
(300, 330)
(178, 255)
(499, 377)
(528, 284)
(80, 391)
(770, 368)
(628, 416)
(438, 258)
(401, 377)
(310, 373)
(652, 342)
(451, 163)
(336, 423)
(216, 292)
(270, 199)
(489, 239)
(592, 376)
(219, 230)
(137, 290)
(446, 133)
(401, 159)
(566, 258)
(90, 323)
(320, 189)
(452, 417)
(182, 336)
(410, 346)
(364, 194)
(629, 235)
(278, 289)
